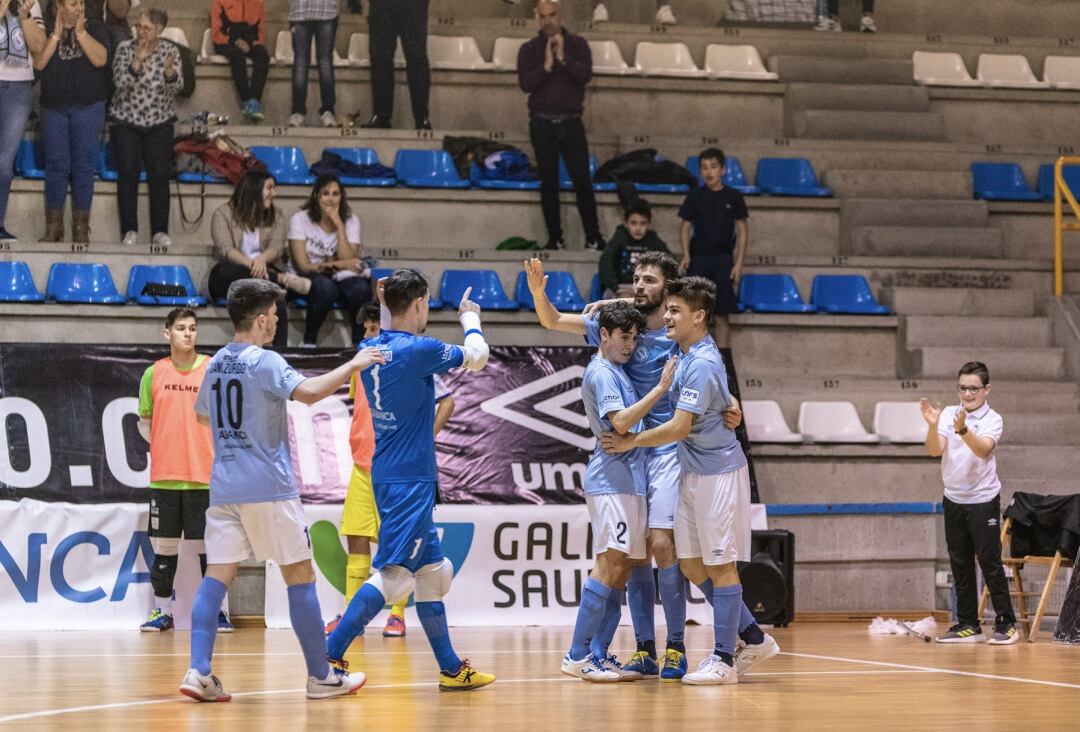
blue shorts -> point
(407, 533)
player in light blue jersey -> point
(652, 271)
(712, 524)
(614, 493)
(255, 509)
(401, 394)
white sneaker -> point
(308, 345)
(599, 14)
(130, 239)
(161, 239)
(866, 25)
(624, 673)
(747, 655)
(589, 668)
(338, 682)
(827, 24)
(296, 283)
(328, 119)
(203, 688)
(296, 120)
(664, 15)
(711, 672)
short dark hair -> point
(402, 288)
(178, 313)
(978, 368)
(249, 298)
(621, 315)
(699, 293)
(370, 311)
(713, 153)
(640, 207)
(663, 261)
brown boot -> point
(54, 225)
(80, 227)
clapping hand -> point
(930, 412)
(960, 420)
(170, 67)
(559, 48)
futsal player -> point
(181, 454)
(255, 509)
(712, 520)
(651, 272)
(401, 393)
(614, 493)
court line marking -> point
(932, 669)
(217, 654)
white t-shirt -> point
(21, 73)
(250, 245)
(967, 477)
(321, 245)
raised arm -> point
(548, 316)
(475, 347)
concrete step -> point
(908, 184)
(830, 70)
(912, 212)
(866, 97)
(926, 241)
(1032, 461)
(952, 301)
(814, 480)
(828, 124)
(972, 330)
(1040, 429)
(1006, 363)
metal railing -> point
(1062, 192)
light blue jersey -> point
(701, 388)
(244, 393)
(653, 350)
(605, 388)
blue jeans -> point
(323, 31)
(15, 100)
(72, 136)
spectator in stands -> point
(831, 21)
(664, 14)
(324, 241)
(318, 20)
(238, 30)
(714, 236)
(73, 72)
(248, 234)
(553, 69)
(22, 38)
(389, 20)
(630, 240)
(147, 76)
(114, 13)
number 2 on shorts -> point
(621, 536)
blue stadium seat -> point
(221, 302)
(487, 290)
(106, 164)
(191, 176)
(85, 283)
(1071, 174)
(845, 294)
(789, 177)
(286, 164)
(427, 169)
(772, 293)
(17, 284)
(1001, 182)
(361, 156)
(478, 181)
(596, 288)
(568, 185)
(734, 177)
(30, 160)
(142, 275)
(561, 290)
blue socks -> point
(727, 604)
(204, 615)
(612, 615)
(433, 618)
(673, 598)
(749, 630)
(594, 598)
(308, 625)
(365, 605)
(641, 597)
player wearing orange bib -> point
(181, 454)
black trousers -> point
(247, 88)
(389, 20)
(352, 294)
(973, 530)
(566, 139)
(224, 273)
(139, 148)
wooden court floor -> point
(829, 676)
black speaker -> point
(768, 579)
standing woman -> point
(147, 77)
(22, 37)
(310, 19)
(74, 88)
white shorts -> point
(618, 522)
(662, 472)
(712, 520)
(274, 530)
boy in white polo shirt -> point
(965, 436)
